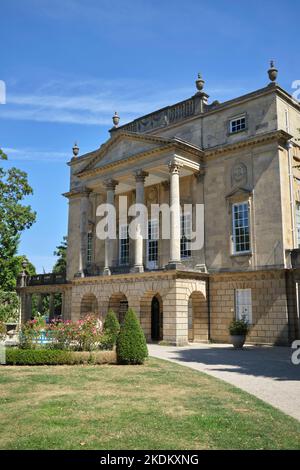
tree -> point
(60, 266)
(131, 342)
(111, 330)
(14, 218)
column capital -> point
(174, 167)
(110, 184)
(199, 175)
(140, 176)
(85, 192)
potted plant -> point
(238, 330)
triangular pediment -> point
(237, 192)
(123, 146)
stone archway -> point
(197, 317)
(119, 304)
(89, 305)
(151, 316)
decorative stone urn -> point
(199, 83)
(272, 72)
(238, 341)
(116, 119)
(238, 330)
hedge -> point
(38, 357)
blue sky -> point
(69, 64)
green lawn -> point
(156, 406)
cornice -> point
(148, 275)
(279, 136)
(77, 192)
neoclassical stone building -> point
(240, 159)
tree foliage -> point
(60, 266)
(14, 218)
(111, 330)
(131, 342)
(9, 307)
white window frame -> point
(235, 124)
(234, 238)
(89, 248)
(243, 304)
(185, 230)
(123, 261)
(152, 237)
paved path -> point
(266, 372)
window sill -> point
(246, 253)
(237, 132)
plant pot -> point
(238, 341)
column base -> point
(106, 272)
(137, 269)
(201, 268)
(79, 274)
(174, 265)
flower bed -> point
(83, 335)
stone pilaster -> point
(84, 213)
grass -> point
(156, 406)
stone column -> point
(51, 306)
(84, 214)
(138, 267)
(175, 259)
(28, 307)
(40, 303)
(110, 186)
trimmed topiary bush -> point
(111, 330)
(131, 342)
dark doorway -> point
(156, 320)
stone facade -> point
(193, 153)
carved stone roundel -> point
(239, 173)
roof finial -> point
(199, 82)
(272, 72)
(116, 119)
(75, 150)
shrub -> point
(110, 331)
(239, 327)
(88, 333)
(131, 342)
(31, 357)
(2, 331)
(29, 335)
(83, 335)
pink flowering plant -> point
(31, 333)
(83, 335)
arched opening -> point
(156, 319)
(197, 317)
(119, 304)
(151, 315)
(89, 305)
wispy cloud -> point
(92, 102)
(35, 155)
